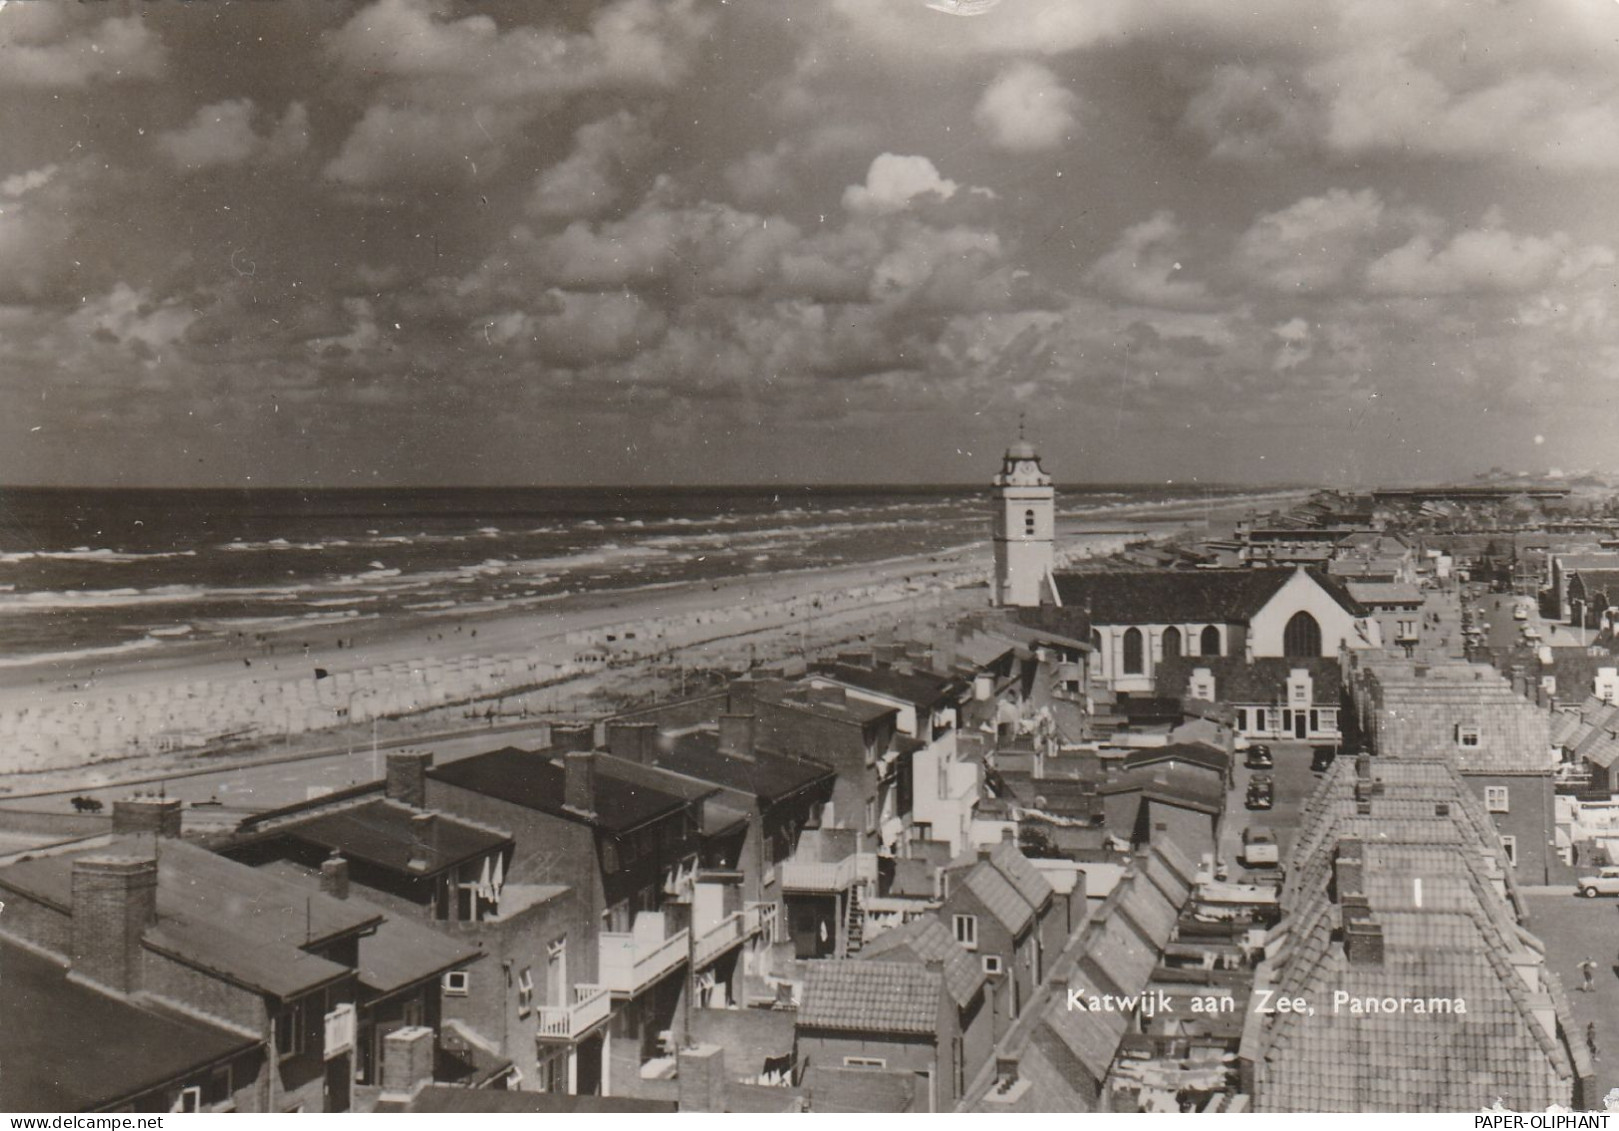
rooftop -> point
(871, 997)
(925, 940)
(1213, 596)
(389, 835)
(765, 774)
(921, 689)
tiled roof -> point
(1186, 790)
(1593, 733)
(998, 896)
(442, 1099)
(1595, 581)
(928, 940)
(1420, 718)
(68, 1047)
(387, 834)
(871, 997)
(1010, 862)
(1149, 911)
(1261, 681)
(1214, 596)
(921, 689)
(767, 775)
(624, 800)
(1194, 753)
(1091, 1038)
(1384, 592)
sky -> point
(289, 243)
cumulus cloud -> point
(1313, 244)
(134, 320)
(222, 134)
(893, 182)
(1480, 259)
(1142, 266)
(589, 181)
(20, 184)
(1027, 109)
(62, 47)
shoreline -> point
(569, 652)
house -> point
(1001, 909)
(1140, 618)
(1499, 741)
(163, 925)
(1268, 700)
(624, 839)
(895, 1016)
(1154, 805)
(1591, 593)
(1562, 569)
(1589, 740)
(1397, 606)
(448, 875)
(1397, 891)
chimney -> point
(114, 900)
(334, 877)
(1363, 766)
(634, 742)
(407, 1062)
(407, 776)
(573, 736)
(579, 782)
(737, 735)
(1009, 834)
(145, 814)
(424, 842)
(1349, 873)
(1363, 942)
(701, 1075)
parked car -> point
(1321, 759)
(1261, 792)
(1259, 757)
(1259, 847)
(1605, 882)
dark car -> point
(1321, 759)
(1259, 757)
(1261, 792)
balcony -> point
(591, 1006)
(762, 919)
(734, 929)
(633, 960)
(834, 877)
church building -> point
(1024, 529)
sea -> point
(107, 571)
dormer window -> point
(1468, 737)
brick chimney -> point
(701, 1075)
(334, 877)
(1363, 766)
(573, 736)
(1348, 872)
(634, 742)
(407, 776)
(145, 814)
(737, 735)
(114, 900)
(407, 1061)
(579, 782)
(1363, 942)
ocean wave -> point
(56, 600)
(86, 554)
(79, 654)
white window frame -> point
(295, 1015)
(1497, 799)
(189, 1100)
(992, 964)
(967, 937)
(457, 983)
(1468, 737)
(864, 1062)
(1509, 845)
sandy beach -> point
(123, 715)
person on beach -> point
(1591, 1039)
(1588, 969)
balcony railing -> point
(591, 1006)
(761, 920)
(632, 961)
(719, 938)
(818, 877)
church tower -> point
(1025, 527)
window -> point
(1302, 636)
(864, 1062)
(1209, 642)
(525, 991)
(1329, 720)
(457, 983)
(551, 1074)
(1259, 720)
(189, 1099)
(1172, 642)
(1242, 718)
(1495, 798)
(967, 931)
(1132, 652)
(871, 814)
(292, 1030)
(1028, 524)
(1407, 630)
(992, 964)
(1509, 845)
(1468, 737)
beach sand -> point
(763, 618)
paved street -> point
(1294, 783)
(1572, 928)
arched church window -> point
(1302, 637)
(1209, 642)
(1132, 651)
(1172, 642)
